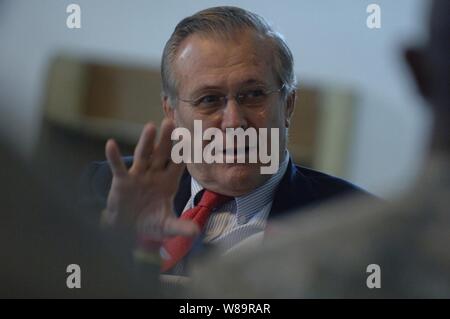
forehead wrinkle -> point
(231, 56)
(215, 61)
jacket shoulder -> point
(325, 185)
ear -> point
(415, 58)
(290, 105)
(169, 111)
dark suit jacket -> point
(299, 187)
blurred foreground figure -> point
(41, 235)
(354, 247)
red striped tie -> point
(177, 247)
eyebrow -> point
(254, 81)
(218, 88)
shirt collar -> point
(250, 204)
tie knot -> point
(212, 200)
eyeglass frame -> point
(224, 98)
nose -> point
(233, 115)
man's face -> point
(206, 66)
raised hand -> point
(141, 198)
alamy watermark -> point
(74, 279)
(374, 279)
(373, 20)
(251, 146)
(73, 20)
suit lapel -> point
(293, 192)
(183, 193)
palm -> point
(142, 195)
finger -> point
(114, 158)
(144, 148)
(161, 155)
(180, 227)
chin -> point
(239, 179)
(228, 179)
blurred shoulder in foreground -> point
(41, 235)
(325, 253)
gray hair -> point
(225, 21)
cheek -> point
(279, 116)
(183, 118)
(268, 118)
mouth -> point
(241, 150)
(238, 156)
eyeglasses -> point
(250, 97)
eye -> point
(252, 97)
(255, 93)
(209, 100)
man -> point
(226, 67)
(357, 249)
